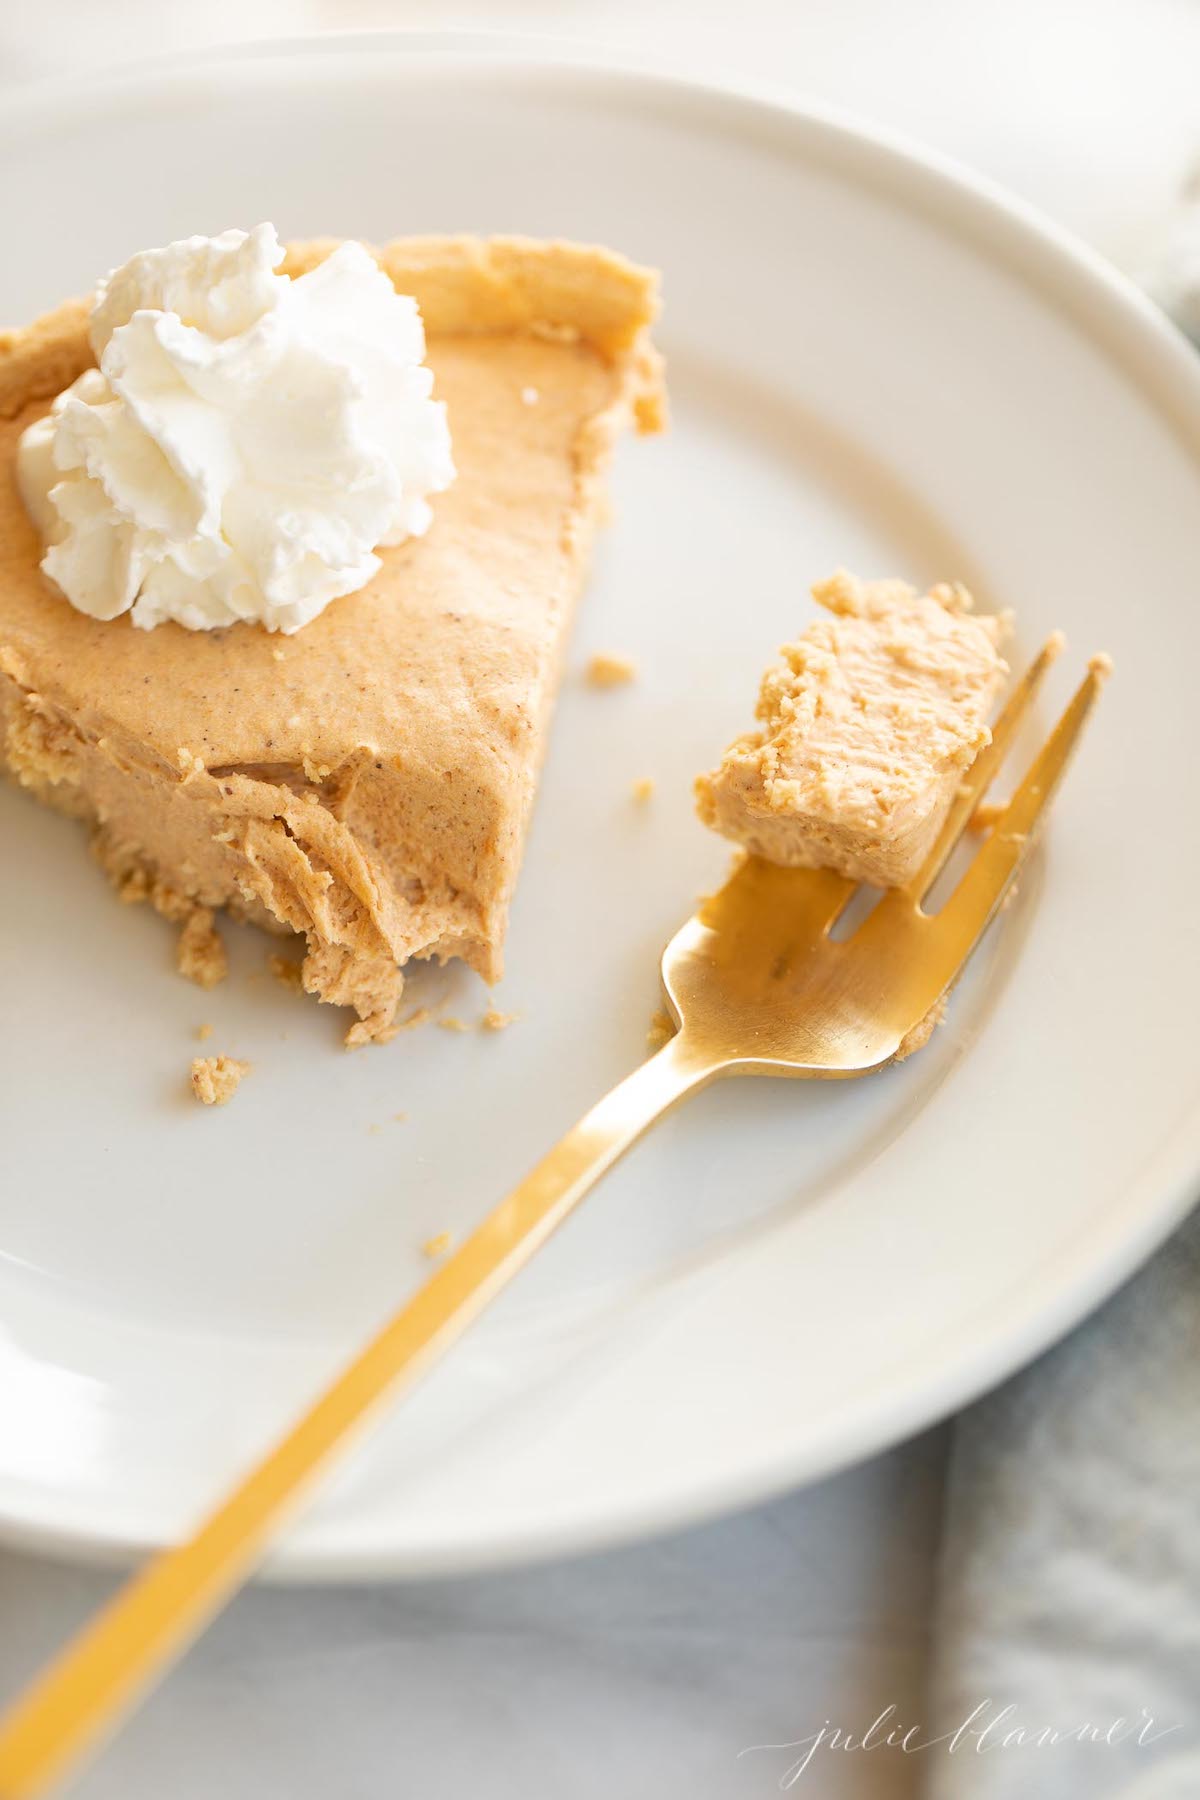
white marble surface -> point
(643, 1672)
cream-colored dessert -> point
(865, 732)
(368, 781)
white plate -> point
(874, 361)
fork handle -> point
(150, 1622)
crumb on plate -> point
(216, 1079)
(437, 1246)
(363, 1032)
(922, 1031)
(643, 788)
(493, 1020)
(608, 670)
(204, 1032)
(449, 1022)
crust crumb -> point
(314, 771)
(450, 1023)
(922, 1031)
(132, 885)
(608, 670)
(39, 749)
(216, 1079)
(200, 954)
(204, 1032)
(643, 789)
(286, 972)
(437, 1246)
(493, 1020)
(134, 882)
(363, 1033)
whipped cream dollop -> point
(246, 442)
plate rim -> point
(1125, 325)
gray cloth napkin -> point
(1070, 1578)
(1069, 1595)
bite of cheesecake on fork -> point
(865, 729)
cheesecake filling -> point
(866, 727)
(246, 442)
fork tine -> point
(983, 770)
(979, 894)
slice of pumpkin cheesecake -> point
(364, 778)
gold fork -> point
(757, 986)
